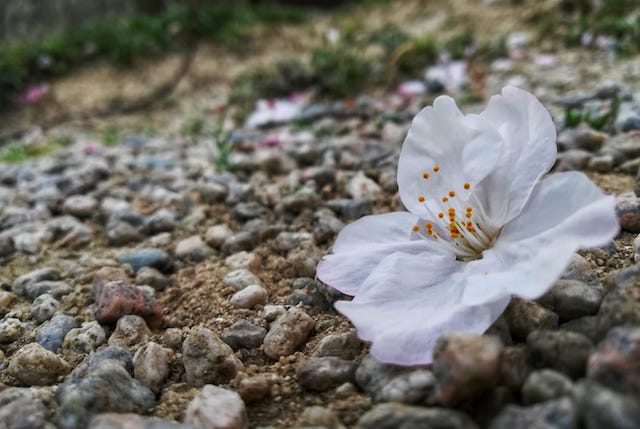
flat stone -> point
(249, 297)
(217, 235)
(151, 277)
(571, 299)
(325, 372)
(288, 333)
(33, 365)
(556, 414)
(544, 385)
(244, 334)
(57, 289)
(564, 351)
(344, 346)
(20, 284)
(240, 279)
(147, 257)
(134, 421)
(151, 365)
(394, 416)
(193, 248)
(207, 359)
(217, 408)
(317, 416)
(80, 206)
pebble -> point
(20, 408)
(33, 365)
(7, 246)
(514, 367)
(10, 330)
(571, 299)
(545, 385)
(620, 305)
(256, 388)
(604, 408)
(107, 275)
(21, 283)
(307, 291)
(51, 334)
(151, 365)
(360, 186)
(81, 206)
(119, 299)
(85, 339)
(393, 383)
(207, 359)
(286, 241)
(244, 259)
(217, 235)
(240, 279)
(249, 297)
(163, 220)
(147, 257)
(524, 317)
(303, 199)
(394, 416)
(555, 414)
(131, 331)
(107, 386)
(351, 209)
(57, 289)
(44, 307)
(217, 408)
(120, 233)
(323, 373)
(192, 248)
(244, 334)
(288, 333)
(459, 376)
(133, 421)
(628, 211)
(564, 351)
(6, 299)
(345, 346)
(616, 362)
(238, 242)
(317, 416)
(152, 277)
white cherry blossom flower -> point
(482, 226)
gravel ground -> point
(144, 287)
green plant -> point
(222, 141)
(109, 135)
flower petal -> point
(566, 212)
(464, 149)
(361, 245)
(527, 128)
(408, 302)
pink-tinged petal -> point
(450, 148)
(566, 212)
(361, 245)
(408, 302)
(530, 151)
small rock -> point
(107, 275)
(344, 346)
(287, 333)
(545, 385)
(131, 331)
(524, 316)
(616, 362)
(351, 209)
(163, 220)
(564, 351)
(152, 277)
(86, 338)
(20, 284)
(243, 260)
(628, 211)
(308, 292)
(118, 299)
(151, 365)
(317, 416)
(255, 388)
(57, 289)
(81, 206)
(33, 365)
(394, 416)
(360, 186)
(571, 299)
(147, 257)
(44, 307)
(238, 242)
(557, 414)
(217, 408)
(240, 279)
(7, 246)
(217, 235)
(514, 367)
(120, 233)
(249, 297)
(207, 359)
(133, 421)
(286, 241)
(244, 334)
(459, 377)
(11, 329)
(304, 198)
(325, 372)
(51, 334)
(21, 409)
(6, 299)
(604, 408)
(172, 338)
(192, 248)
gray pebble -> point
(351, 209)
(344, 346)
(44, 307)
(240, 241)
(564, 351)
(192, 248)
(133, 421)
(628, 211)
(604, 408)
(524, 317)
(288, 333)
(215, 407)
(147, 257)
(51, 334)
(20, 284)
(514, 367)
(86, 338)
(57, 289)
(81, 206)
(152, 277)
(207, 359)
(395, 416)
(249, 297)
(131, 331)
(120, 233)
(244, 334)
(307, 291)
(545, 385)
(289, 240)
(217, 235)
(325, 372)
(240, 279)
(304, 198)
(151, 365)
(556, 414)
(316, 416)
(7, 246)
(571, 299)
(33, 365)
(20, 408)
(163, 220)
(616, 362)
(11, 329)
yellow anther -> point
(445, 199)
(428, 225)
(453, 235)
(452, 210)
(467, 185)
(425, 175)
(416, 228)
(469, 209)
(421, 199)
(452, 193)
(436, 168)
(469, 214)
(440, 215)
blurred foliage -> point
(597, 120)
(125, 40)
(20, 152)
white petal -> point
(566, 212)
(408, 302)
(465, 148)
(530, 151)
(361, 245)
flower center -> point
(457, 221)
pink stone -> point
(118, 299)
